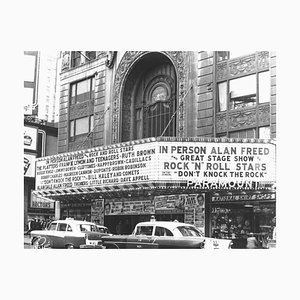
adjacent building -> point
(41, 98)
(179, 135)
(41, 72)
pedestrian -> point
(29, 226)
(251, 241)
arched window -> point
(149, 99)
(159, 105)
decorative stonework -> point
(81, 109)
(124, 68)
(221, 122)
(126, 120)
(66, 60)
(242, 65)
(263, 60)
(101, 54)
(110, 59)
(222, 70)
(84, 143)
(264, 114)
(249, 64)
(242, 119)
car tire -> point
(69, 246)
(39, 242)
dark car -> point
(154, 235)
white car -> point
(67, 234)
(178, 229)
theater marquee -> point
(193, 162)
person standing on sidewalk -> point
(251, 241)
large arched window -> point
(159, 105)
(149, 99)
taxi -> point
(164, 235)
(67, 234)
(178, 229)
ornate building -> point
(113, 98)
(119, 87)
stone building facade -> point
(196, 75)
(114, 101)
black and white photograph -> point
(179, 147)
(150, 150)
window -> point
(222, 91)
(144, 230)
(224, 55)
(62, 227)
(161, 231)
(90, 54)
(52, 226)
(243, 134)
(188, 231)
(244, 92)
(75, 59)
(158, 111)
(87, 227)
(237, 220)
(69, 228)
(264, 87)
(81, 126)
(82, 91)
(264, 132)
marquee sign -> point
(196, 163)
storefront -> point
(219, 185)
(237, 215)
(121, 215)
(77, 210)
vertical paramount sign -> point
(207, 165)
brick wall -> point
(273, 93)
(96, 68)
(205, 94)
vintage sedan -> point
(164, 234)
(67, 234)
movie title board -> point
(95, 167)
(203, 165)
(231, 163)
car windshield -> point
(87, 227)
(188, 231)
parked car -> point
(103, 229)
(67, 234)
(164, 234)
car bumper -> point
(91, 246)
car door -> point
(59, 240)
(143, 238)
(73, 237)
